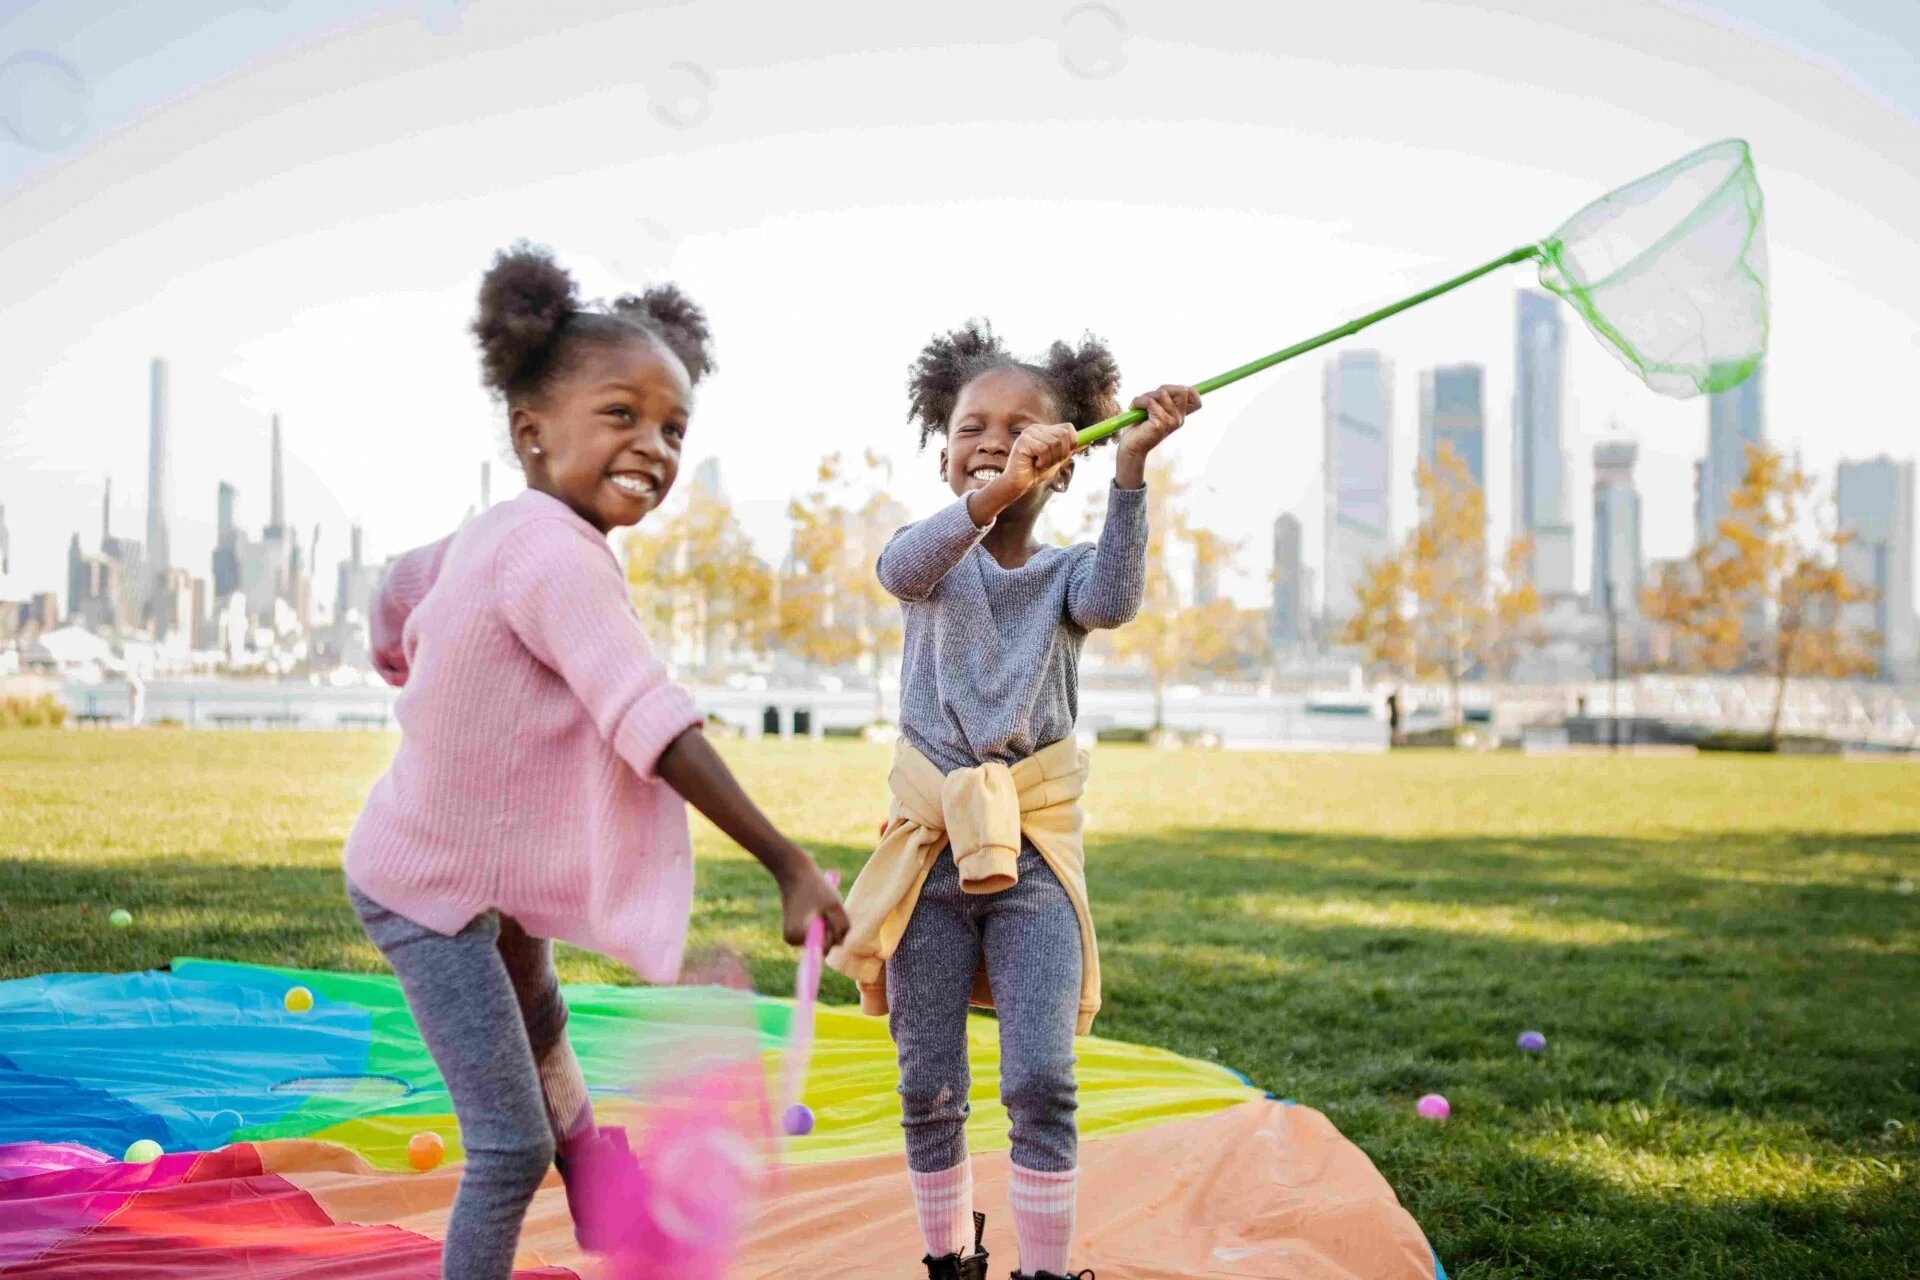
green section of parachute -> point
(621, 1034)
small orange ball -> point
(425, 1150)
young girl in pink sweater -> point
(537, 791)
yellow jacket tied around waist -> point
(983, 813)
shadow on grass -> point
(1730, 1020)
(289, 907)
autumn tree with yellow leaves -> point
(832, 608)
(1174, 638)
(1768, 594)
(700, 588)
(1433, 610)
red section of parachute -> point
(214, 1215)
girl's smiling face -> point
(606, 438)
(989, 414)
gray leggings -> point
(1029, 936)
(488, 1005)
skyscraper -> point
(1286, 620)
(265, 565)
(159, 479)
(95, 590)
(226, 546)
(1357, 403)
(176, 620)
(1452, 413)
(1616, 528)
(228, 504)
(357, 584)
(1206, 580)
(277, 520)
(1736, 419)
(706, 478)
(130, 589)
(1540, 509)
(1876, 506)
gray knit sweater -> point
(991, 669)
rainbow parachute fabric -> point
(285, 1137)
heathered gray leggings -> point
(1029, 936)
(488, 1005)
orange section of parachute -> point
(1262, 1191)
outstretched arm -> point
(693, 768)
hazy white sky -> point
(293, 201)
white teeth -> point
(632, 484)
(984, 473)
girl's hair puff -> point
(532, 323)
(1084, 381)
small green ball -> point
(120, 918)
(145, 1151)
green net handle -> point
(1119, 422)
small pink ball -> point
(1433, 1107)
(798, 1120)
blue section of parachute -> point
(188, 1062)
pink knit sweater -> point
(533, 716)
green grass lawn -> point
(1719, 951)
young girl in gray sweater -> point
(994, 626)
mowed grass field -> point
(1724, 954)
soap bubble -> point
(682, 94)
(43, 100)
(442, 17)
(1092, 41)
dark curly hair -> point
(1084, 381)
(532, 323)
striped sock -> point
(1043, 1205)
(568, 1110)
(944, 1202)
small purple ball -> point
(1433, 1107)
(798, 1120)
(1532, 1041)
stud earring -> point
(535, 451)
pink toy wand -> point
(797, 1118)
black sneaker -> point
(954, 1267)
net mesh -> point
(1670, 271)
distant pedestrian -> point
(1394, 735)
(136, 697)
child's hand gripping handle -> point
(806, 993)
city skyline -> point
(1357, 422)
(334, 278)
